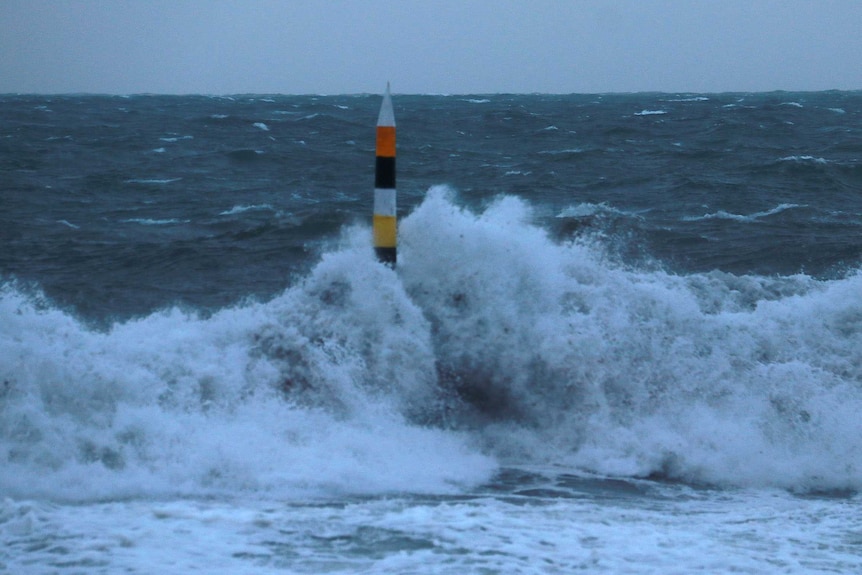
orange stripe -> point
(386, 141)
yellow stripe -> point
(385, 231)
(386, 141)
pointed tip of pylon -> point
(387, 114)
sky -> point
(428, 47)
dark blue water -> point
(117, 206)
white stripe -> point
(384, 202)
(387, 114)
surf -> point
(492, 344)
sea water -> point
(624, 335)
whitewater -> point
(531, 390)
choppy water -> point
(624, 335)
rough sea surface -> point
(624, 335)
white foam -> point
(154, 222)
(804, 159)
(174, 404)
(347, 382)
(587, 209)
(639, 372)
(152, 180)
(565, 152)
(749, 218)
(261, 126)
(650, 113)
(674, 530)
(241, 209)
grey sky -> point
(435, 46)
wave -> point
(689, 99)
(565, 152)
(490, 344)
(241, 209)
(587, 209)
(750, 218)
(804, 160)
(155, 222)
(158, 181)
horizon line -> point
(435, 94)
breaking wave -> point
(490, 344)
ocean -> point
(624, 335)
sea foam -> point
(490, 343)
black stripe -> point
(384, 173)
(386, 255)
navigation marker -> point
(384, 227)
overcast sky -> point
(435, 46)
